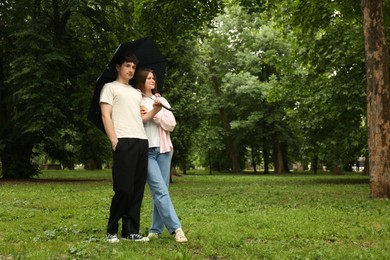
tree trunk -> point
(229, 139)
(336, 170)
(253, 158)
(279, 161)
(16, 154)
(3, 111)
(22, 168)
(184, 166)
(60, 20)
(173, 172)
(265, 156)
(37, 9)
(230, 142)
(285, 159)
(378, 97)
(314, 164)
(93, 164)
(366, 170)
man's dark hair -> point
(128, 57)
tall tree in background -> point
(323, 79)
(53, 53)
(246, 55)
(175, 25)
(378, 97)
(33, 88)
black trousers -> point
(130, 163)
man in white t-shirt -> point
(120, 106)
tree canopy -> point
(255, 84)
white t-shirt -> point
(151, 128)
(125, 101)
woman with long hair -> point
(159, 157)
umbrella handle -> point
(167, 108)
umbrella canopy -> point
(148, 55)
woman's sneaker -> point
(153, 235)
(179, 236)
(112, 238)
(136, 237)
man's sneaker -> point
(112, 238)
(153, 235)
(179, 236)
(136, 237)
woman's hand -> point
(157, 105)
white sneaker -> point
(179, 236)
(153, 235)
(112, 238)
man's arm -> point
(109, 124)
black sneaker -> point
(136, 237)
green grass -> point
(63, 215)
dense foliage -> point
(253, 83)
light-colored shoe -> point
(179, 236)
(153, 235)
(112, 238)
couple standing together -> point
(142, 151)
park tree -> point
(333, 100)
(33, 89)
(317, 21)
(245, 54)
(218, 54)
(378, 97)
(175, 26)
(309, 18)
(55, 50)
(96, 28)
(323, 78)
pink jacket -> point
(167, 122)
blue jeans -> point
(159, 166)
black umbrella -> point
(149, 56)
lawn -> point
(63, 215)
